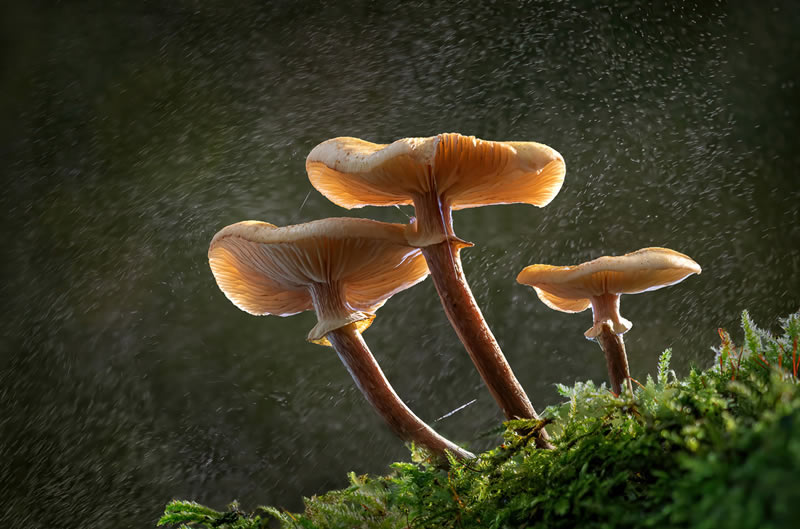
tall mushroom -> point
(599, 284)
(437, 175)
(343, 269)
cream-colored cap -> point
(463, 171)
(572, 288)
(344, 268)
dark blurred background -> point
(133, 131)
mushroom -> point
(437, 175)
(344, 269)
(600, 283)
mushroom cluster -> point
(345, 269)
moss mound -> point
(718, 448)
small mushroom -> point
(437, 175)
(600, 283)
(344, 269)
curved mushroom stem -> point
(369, 378)
(616, 358)
(444, 264)
(434, 216)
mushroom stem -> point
(465, 316)
(369, 378)
(616, 358)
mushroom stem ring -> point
(368, 376)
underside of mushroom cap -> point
(473, 172)
(562, 304)
(463, 171)
(264, 269)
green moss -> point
(718, 448)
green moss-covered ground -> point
(719, 448)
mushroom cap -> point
(570, 288)
(265, 269)
(463, 171)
